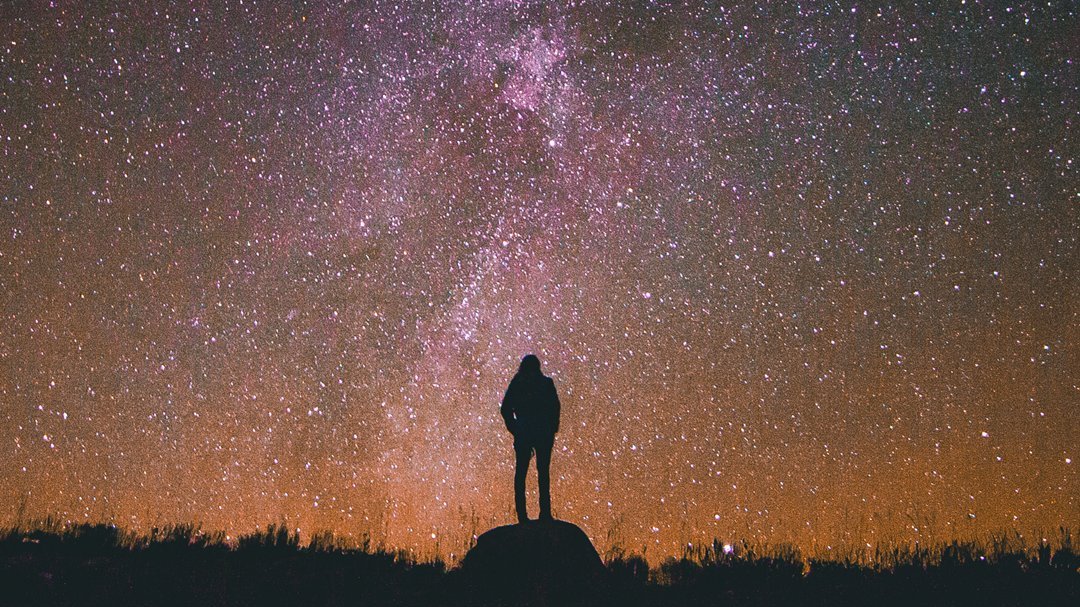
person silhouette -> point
(530, 409)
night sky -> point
(803, 273)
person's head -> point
(530, 365)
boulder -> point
(538, 562)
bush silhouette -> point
(48, 563)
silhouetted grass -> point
(49, 563)
(182, 565)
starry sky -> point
(801, 273)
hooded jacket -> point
(530, 407)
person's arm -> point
(556, 406)
(507, 408)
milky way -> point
(800, 273)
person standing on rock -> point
(530, 409)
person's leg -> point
(543, 474)
(523, 455)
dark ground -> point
(101, 565)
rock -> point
(539, 562)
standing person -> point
(530, 409)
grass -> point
(51, 563)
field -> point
(53, 564)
